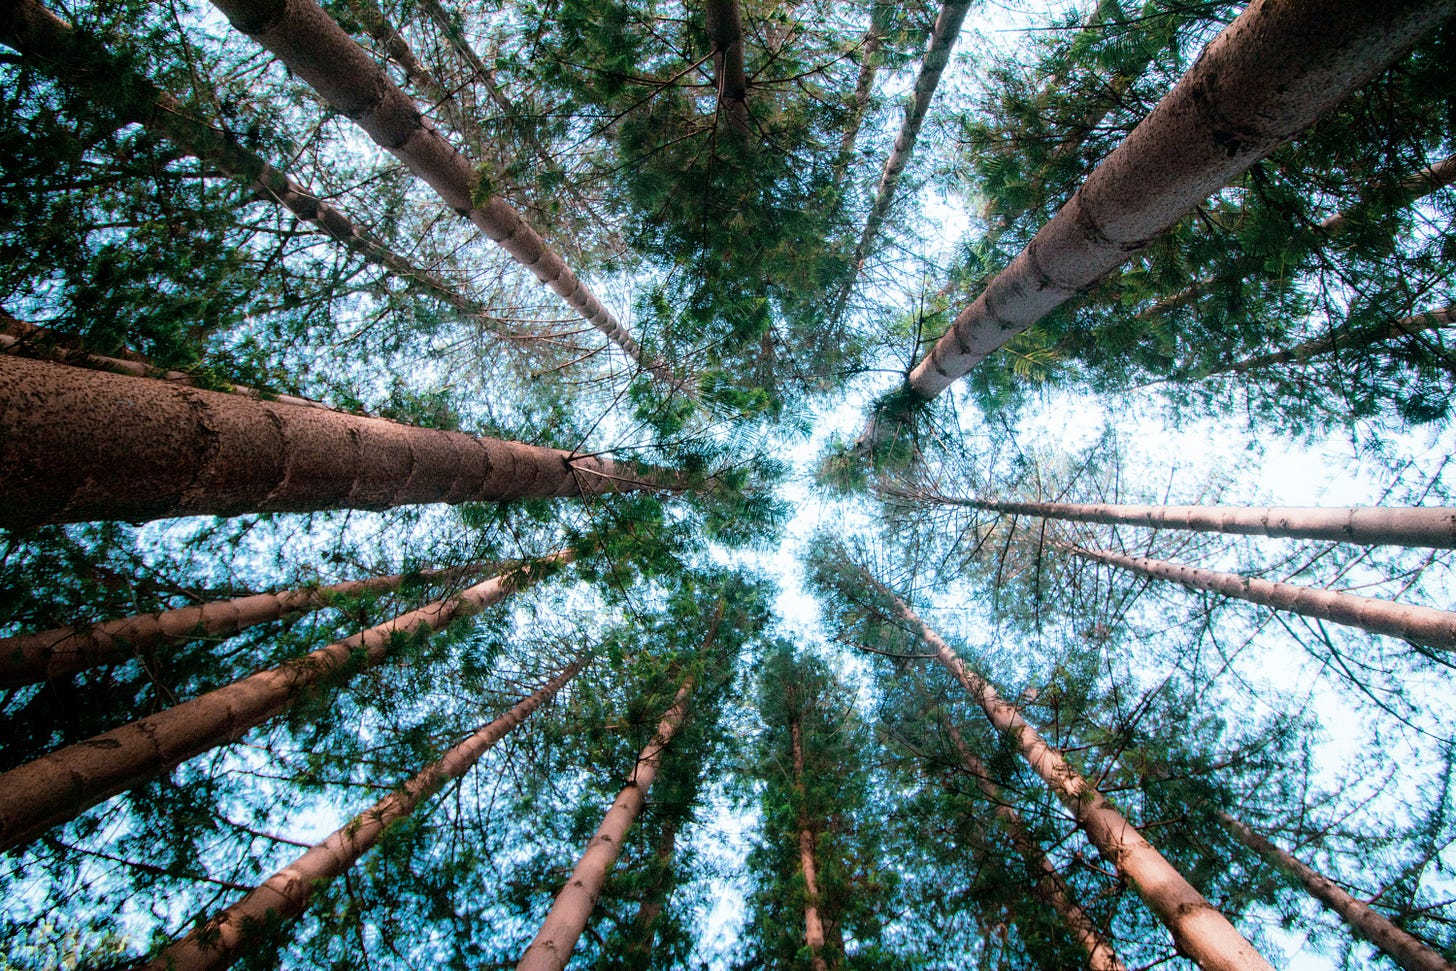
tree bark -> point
(285, 894)
(1199, 931)
(83, 445)
(29, 658)
(53, 46)
(814, 936)
(1047, 883)
(1271, 73)
(1418, 186)
(1420, 625)
(568, 917)
(1430, 526)
(869, 49)
(1342, 339)
(60, 786)
(1404, 949)
(725, 31)
(305, 39)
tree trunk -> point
(28, 658)
(1402, 948)
(285, 894)
(1418, 186)
(725, 30)
(1433, 526)
(1199, 931)
(1046, 881)
(314, 47)
(1271, 73)
(1342, 339)
(84, 445)
(639, 945)
(559, 932)
(1420, 625)
(53, 46)
(869, 49)
(60, 786)
(814, 936)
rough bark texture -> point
(286, 893)
(28, 658)
(79, 445)
(813, 923)
(314, 47)
(725, 31)
(1199, 931)
(1404, 949)
(1047, 883)
(1276, 69)
(50, 43)
(1421, 625)
(60, 786)
(1433, 526)
(559, 932)
(1343, 340)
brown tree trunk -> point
(559, 932)
(51, 44)
(1433, 526)
(1199, 931)
(1342, 339)
(60, 786)
(1421, 625)
(725, 30)
(313, 46)
(1046, 881)
(28, 658)
(1418, 186)
(83, 445)
(1404, 949)
(285, 894)
(814, 936)
(869, 62)
(1277, 68)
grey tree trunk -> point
(60, 786)
(84, 445)
(1276, 69)
(29, 658)
(1404, 949)
(1421, 625)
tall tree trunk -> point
(725, 31)
(28, 658)
(1046, 881)
(639, 945)
(568, 917)
(814, 936)
(1433, 526)
(1199, 931)
(285, 894)
(51, 44)
(313, 46)
(83, 445)
(1342, 339)
(1401, 947)
(1421, 625)
(869, 63)
(60, 786)
(1271, 73)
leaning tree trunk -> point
(313, 46)
(814, 935)
(50, 43)
(1403, 948)
(725, 31)
(29, 658)
(60, 786)
(1420, 625)
(1433, 526)
(1342, 339)
(568, 917)
(869, 63)
(1271, 73)
(285, 894)
(1047, 883)
(1199, 931)
(83, 445)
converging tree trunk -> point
(1421, 625)
(869, 63)
(84, 445)
(28, 658)
(1199, 931)
(1342, 340)
(313, 46)
(1401, 947)
(1271, 73)
(725, 30)
(284, 895)
(1433, 526)
(60, 786)
(1047, 883)
(814, 936)
(563, 926)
